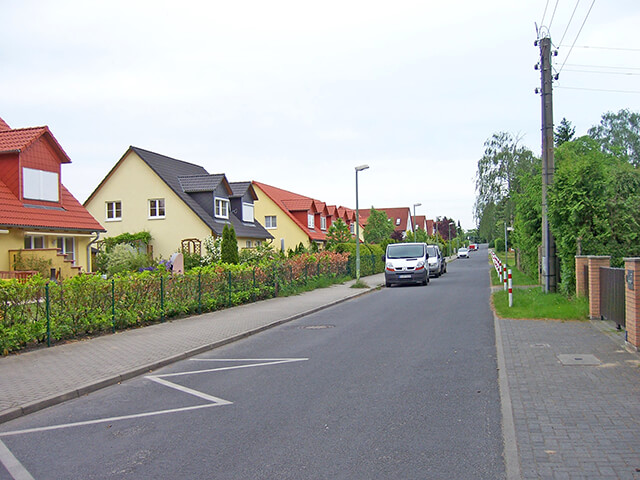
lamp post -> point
(450, 223)
(358, 169)
(414, 219)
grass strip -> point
(533, 303)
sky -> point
(296, 94)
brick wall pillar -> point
(595, 262)
(632, 299)
(581, 286)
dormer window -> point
(323, 223)
(311, 221)
(397, 221)
(221, 207)
(247, 212)
(40, 185)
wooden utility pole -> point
(548, 242)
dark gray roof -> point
(239, 189)
(200, 183)
(173, 172)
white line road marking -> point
(107, 420)
(13, 466)
(215, 401)
(236, 367)
(190, 391)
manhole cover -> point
(317, 327)
(586, 359)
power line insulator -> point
(537, 90)
(536, 66)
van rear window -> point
(405, 251)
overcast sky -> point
(296, 94)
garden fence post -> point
(254, 284)
(290, 274)
(113, 305)
(46, 295)
(229, 288)
(162, 298)
(305, 273)
(199, 293)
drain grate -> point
(586, 359)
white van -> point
(406, 263)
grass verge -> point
(532, 303)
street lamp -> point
(450, 223)
(358, 169)
(414, 219)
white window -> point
(40, 185)
(32, 241)
(67, 246)
(156, 208)
(270, 221)
(222, 207)
(247, 212)
(248, 243)
(311, 222)
(323, 223)
(114, 210)
(397, 221)
(352, 228)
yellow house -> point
(294, 219)
(42, 226)
(180, 204)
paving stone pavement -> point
(573, 420)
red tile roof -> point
(71, 216)
(3, 125)
(402, 213)
(19, 139)
(68, 214)
(293, 202)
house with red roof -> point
(400, 217)
(295, 219)
(41, 222)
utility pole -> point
(548, 242)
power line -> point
(570, 20)
(598, 89)
(602, 66)
(544, 14)
(553, 14)
(602, 73)
(579, 31)
(604, 48)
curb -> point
(12, 414)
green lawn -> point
(517, 277)
(534, 303)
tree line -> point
(593, 203)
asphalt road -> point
(400, 383)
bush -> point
(125, 258)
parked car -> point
(437, 263)
(463, 252)
(473, 247)
(406, 263)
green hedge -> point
(370, 257)
(41, 312)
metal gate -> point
(612, 295)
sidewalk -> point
(38, 379)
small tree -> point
(229, 246)
(338, 233)
(379, 227)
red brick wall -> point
(595, 262)
(581, 286)
(632, 299)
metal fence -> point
(612, 295)
(40, 311)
